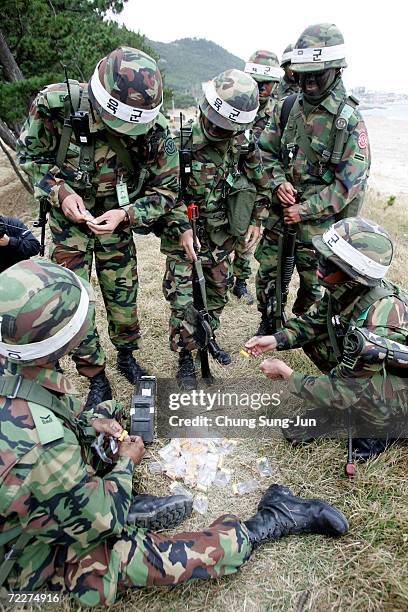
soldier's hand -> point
(108, 426)
(4, 240)
(291, 214)
(252, 236)
(73, 208)
(187, 242)
(275, 369)
(132, 447)
(108, 222)
(260, 344)
(286, 194)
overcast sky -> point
(375, 34)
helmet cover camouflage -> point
(325, 49)
(359, 247)
(263, 66)
(126, 90)
(287, 56)
(231, 100)
(46, 311)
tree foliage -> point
(43, 35)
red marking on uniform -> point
(362, 140)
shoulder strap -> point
(364, 304)
(17, 386)
(67, 128)
(121, 151)
(287, 106)
(339, 129)
(331, 331)
(13, 554)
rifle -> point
(42, 221)
(203, 334)
(286, 264)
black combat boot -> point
(315, 423)
(218, 353)
(240, 290)
(186, 376)
(265, 327)
(99, 391)
(128, 366)
(156, 513)
(368, 448)
(281, 513)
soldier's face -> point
(214, 132)
(315, 84)
(265, 89)
(289, 74)
(328, 274)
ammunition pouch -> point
(215, 224)
(240, 203)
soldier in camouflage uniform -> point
(63, 525)
(228, 108)
(263, 66)
(354, 256)
(115, 155)
(287, 84)
(318, 164)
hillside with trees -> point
(187, 62)
(38, 37)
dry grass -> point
(367, 569)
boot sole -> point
(170, 515)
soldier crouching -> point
(62, 524)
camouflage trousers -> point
(379, 400)
(178, 291)
(76, 247)
(306, 263)
(141, 558)
(241, 265)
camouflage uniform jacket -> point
(320, 201)
(387, 317)
(51, 490)
(262, 119)
(285, 89)
(211, 167)
(154, 157)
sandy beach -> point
(388, 133)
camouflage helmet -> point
(263, 66)
(126, 90)
(319, 47)
(361, 248)
(45, 312)
(231, 100)
(286, 56)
